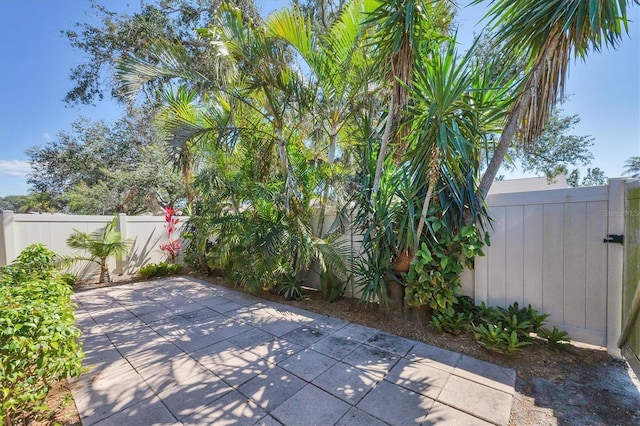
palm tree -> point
(547, 33)
(101, 245)
(339, 72)
(404, 29)
(632, 167)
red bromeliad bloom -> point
(173, 247)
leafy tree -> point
(594, 177)
(632, 167)
(555, 151)
(116, 34)
(104, 169)
(13, 202)
(101, 245)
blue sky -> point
(36, 60)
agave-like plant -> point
(101, 244)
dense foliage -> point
(39, 343)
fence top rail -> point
(27, 217)
(550, 196)
(68, 218)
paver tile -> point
(177, 370)
(268, 421)
(307, 364)
(418, 376)
(305, 335)
(150, 411)
(434, 356)
(200, 314)
(311, 406)
(280, 327)
(201, 354)
(390, 343)
(443, 415)
(97, 404)
(335, 347)
(395, 405)
(478, 400)
(160, 353)
(191, 395)
(276, 350)
(252, 338)
(355, 332)
(231, 409)
(347, 382)
(272, 387)
(327, 324)
(356, 417)
(485, 373)
(372, 359)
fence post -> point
(7, 238)
(615, 264)
(121, 226)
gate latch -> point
(614, 238)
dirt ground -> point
(577, 385)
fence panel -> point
(631, 212)
(21, 230)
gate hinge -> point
(614, 238)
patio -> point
(181, 351)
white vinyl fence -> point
(547, 249)
(21, 230)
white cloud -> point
(15, 168)
(47, 136)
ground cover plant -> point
(39, 343)
(160, 269)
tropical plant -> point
(434, 276)
(100, 245)
(172, 248)
(555, 338)
(547, 33)
(406, 32)
(39, 342)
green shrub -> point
(290, 288)
(555, 338)
(38, 340)
(506, 330)
(161, 269)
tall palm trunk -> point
(433, 174)
(384, 147)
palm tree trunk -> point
(433, 172)
(384, 146)
(104, 272)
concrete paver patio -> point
(180, 351)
